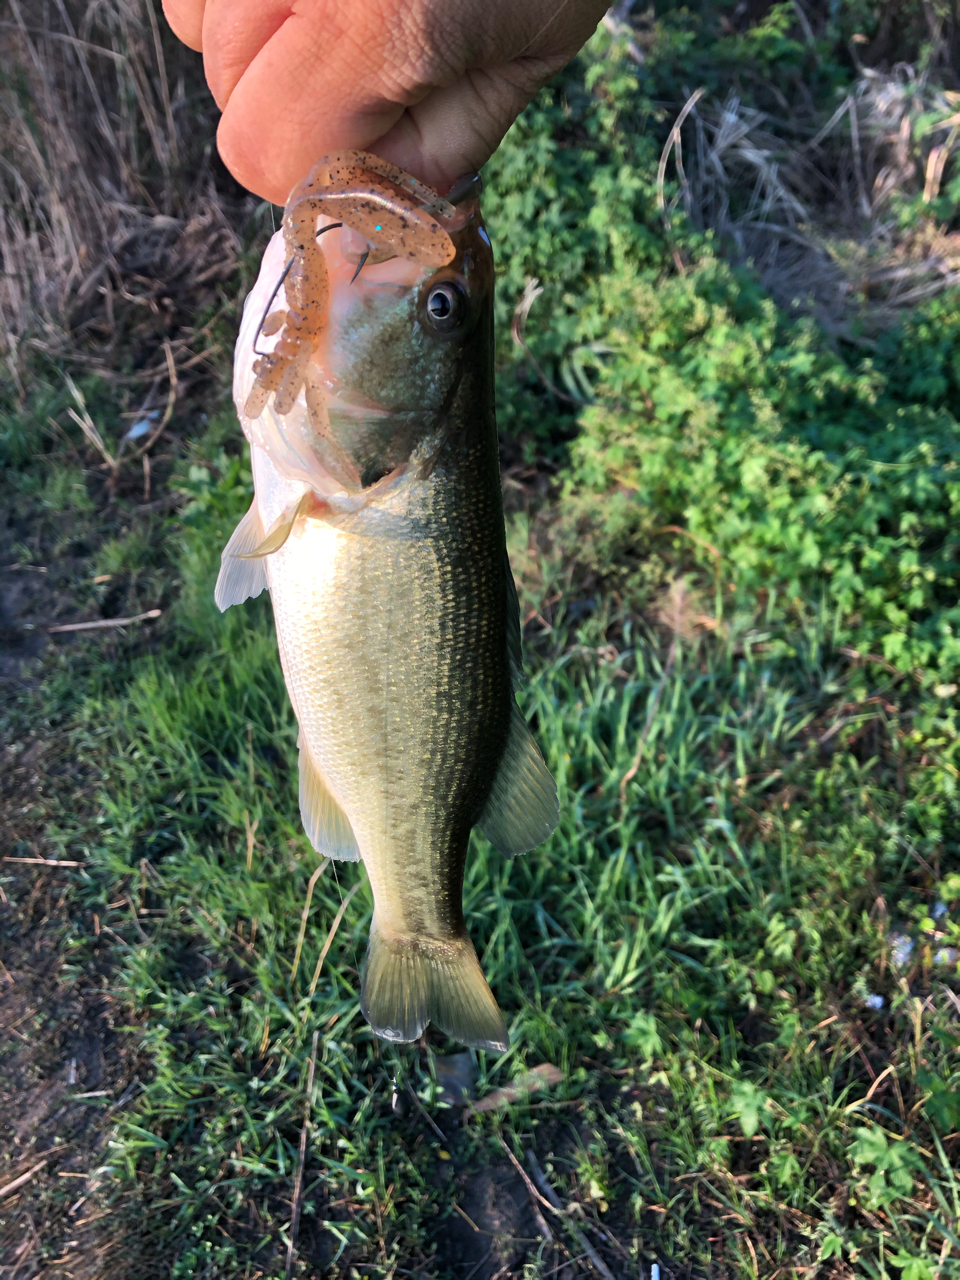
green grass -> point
(698, 963)
(740, 945)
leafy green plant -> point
(894, 1166)
(726, 437)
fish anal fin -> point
(282, 527)
(410, 981)
(327, 826)
(239, 578)
(521, 810)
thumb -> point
(186, 21)
(456, 129)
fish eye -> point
(445, 306)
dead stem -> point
(301, 1156)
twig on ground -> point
(43, 862)
(535, 1197)
(303, 919)
(753, 1254)
(540, 1178)
(673, 141)
(103, 624)
(466, 1217)
(301, 1159)
(426, 1115)
(171, 401)
(23, 1179)
(330, 937)
(540, 1077)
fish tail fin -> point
(411, 981)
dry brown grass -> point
(814, 204)
(115, 215)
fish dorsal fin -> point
(327, 826)
(514, 643)
(521, 810)
(281, 528)
(239, 578)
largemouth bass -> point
(378, 528)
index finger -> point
(311, 88)
(186, 21)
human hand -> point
(432, 85)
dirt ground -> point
(66, 1068)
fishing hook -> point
(363, 258)
(331, 226)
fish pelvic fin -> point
(282, 527)
(521, 810)
(239, 578)
(327, 826)
(411, 981)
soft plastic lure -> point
(396, 215)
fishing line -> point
(266, 310)
(356, 954)
(286, 271)
(539, 32)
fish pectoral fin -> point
(281, 528)
(327, 826)
(521, 810)
(239, 578)
(410, 981)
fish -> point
(377, 527)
